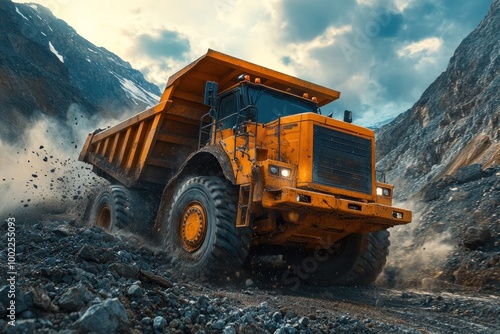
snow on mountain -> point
(54, 51)
(46, 66)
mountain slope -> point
(456, 121)
(46, 66)
(443, 156)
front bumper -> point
(339, 213)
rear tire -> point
(111, 209)
(117, 207)
(201, 233)
(358, 260)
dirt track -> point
(380, 309)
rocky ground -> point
(73, 279)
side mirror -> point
(347, 116)
(211, 90)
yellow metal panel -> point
(112, 154)
(123, 149)
(86, 147)
(146, 147)
(134, 151)
(98, 147)
(106, 145)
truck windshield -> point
(271, 104)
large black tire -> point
(201, 233)
(355, 260)
(116, 208)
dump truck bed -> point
(149, 147)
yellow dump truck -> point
(237, 157)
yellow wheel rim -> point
(193, 227)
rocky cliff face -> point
(46, 66)
(443, 157)
(456, 121)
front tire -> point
(354, 260)
(201, 233)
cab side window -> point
(228, 109)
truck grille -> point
(342, 160)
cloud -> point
(163, 44)
(303, 20)
(158, 53)
(381, 54)
(428, 45)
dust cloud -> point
(41, 175)
(415, 259)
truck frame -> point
(212, 176)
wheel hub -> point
(193, 227)
(104, 218)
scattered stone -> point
(88, 253)
(174, 323)
(41, 299)
(159, 323)
(125, 270)
(203, 302)
(277, 316)
(459, 196)
(304, 321)
(219, 324)
(468, 173)
(61, 231)
(148, 276)
(75, 298)
(431, 194)
(135, 291)
(106, 317)
(229, 329)
(475, 237)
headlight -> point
(285, 172)
(397, 215)
(273, 170)
(280, 171)
(383, 191)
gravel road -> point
(73, 279)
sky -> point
(380, 54)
